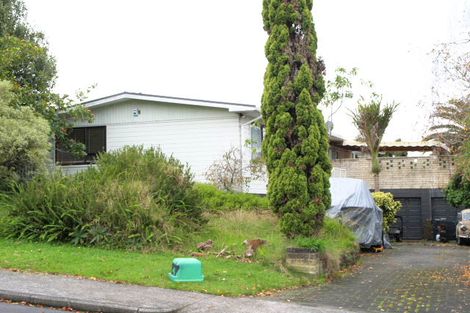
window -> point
(94, 139)
(256, 142)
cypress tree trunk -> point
(296, 142)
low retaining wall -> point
(304, 261)
(314, 263)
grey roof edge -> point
(124, 93)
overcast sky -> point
(214, 49)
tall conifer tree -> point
(296, 141)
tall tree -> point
(451, 112)
(296, 142)
(24, 139)
(451, 115)
(451, 122)
(13, 21)
(25, 61)
(371, 120)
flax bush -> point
(133, 198)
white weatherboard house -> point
(196, 132)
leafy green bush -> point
(458, 191)
(390, 207)
(133, 198)
(215, 200)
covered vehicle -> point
(462, 231)
(352, 202)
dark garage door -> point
(412, 220)
(442, 209)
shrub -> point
(215, 200)
(230, 174)
(133, 198)
(390, 207)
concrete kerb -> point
(100, 296)
(80, 305)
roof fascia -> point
(232, 107)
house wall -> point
(194, 135)
(151, 111)
(421, 208)
(339, 153)
(417, 183)
(431, 172)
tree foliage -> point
(452, 68)
(452, 120)
(296, 141)
(458, 191)
(371, 120)
(25, 62)
(340, 88)
(451, 115)
(13, 21)
(24, 140)
(337, 91)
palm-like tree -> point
(371, 120)
(451, 123)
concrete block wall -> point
(431, 172)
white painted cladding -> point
(196, 142)
(195, 135)
(121, 113)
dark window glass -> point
(94, 139)
(256, 142)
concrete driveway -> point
(410, 278)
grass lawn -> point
(223, 276)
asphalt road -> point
(19, 308)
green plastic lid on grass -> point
(186, 270)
